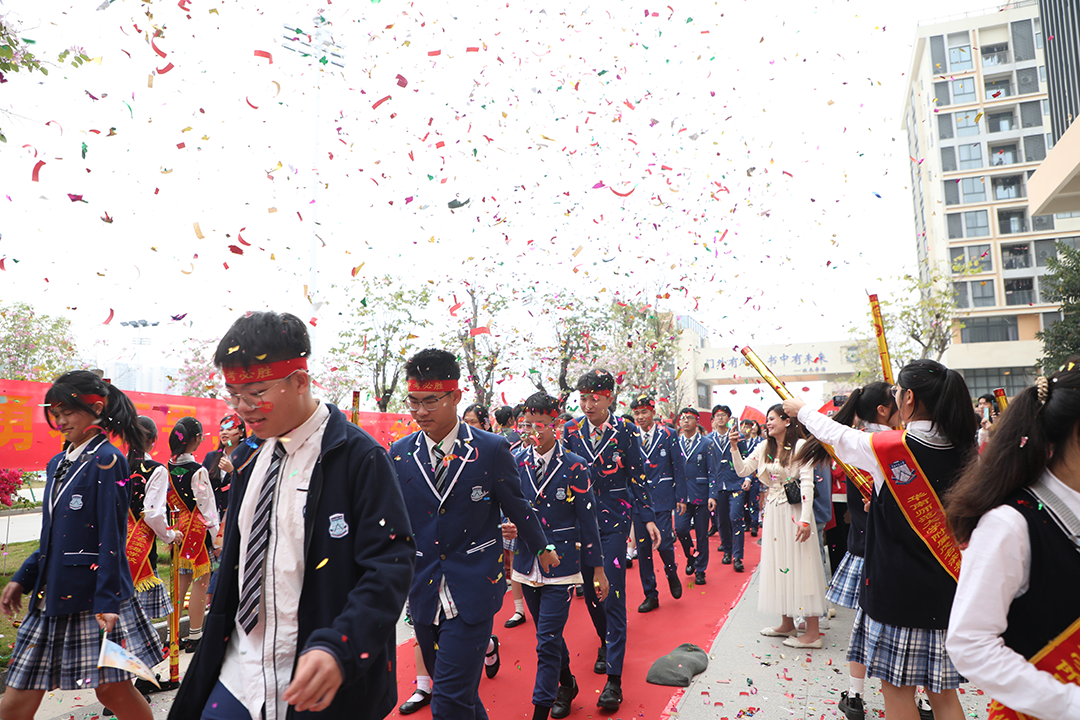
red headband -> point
(604, 393)
(91, 399)
(432, 385)
(238, 375)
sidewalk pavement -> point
(749, 673)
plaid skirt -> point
(903, 656)
(844, 588)
(155, 601)
(62, 651)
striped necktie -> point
(440, 469)
(258, 542)
(540, 470)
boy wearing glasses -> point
(557, 482)
(318, 553)
(612, 452)
(458, 482)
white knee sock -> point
(423, 682)
(857, 685)
(519, 606)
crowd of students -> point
(329, 534)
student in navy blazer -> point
(727, 489)
(612, 450)
(456, 505)
(557, 484)
(657, 455)
(693, 470)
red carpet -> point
(695, 618)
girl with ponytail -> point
(911, 563)
(1015, 507)
(79, 579)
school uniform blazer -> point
(618, 477)
(83, 564)
(458, 536)
(358, 563)
(564, 503)
(658, 461)
(693, 470)
(724, 476)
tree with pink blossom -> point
(37, 347)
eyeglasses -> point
(429, 403)
(534, 427)
(254, 400)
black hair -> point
(234, 417)
(503, 415)
(783, 455)
(946, 399)
(565, 417)
(643, 401)
(149, 428)
(519, 410)
(721, 408)
(185, 430)
(118, 417)
(263, 337)
(988, 397)
(688, 410)
(1026, 435)
(481, 414)
(862, 403)
(598, 380)
(541, 403)
(433, 364)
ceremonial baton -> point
(1002, 401)
(883, 346)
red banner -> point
(28, 443)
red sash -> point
(1060, 658)
(193, 553)
(140, 540)
(862, 480)
(916, 497)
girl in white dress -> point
(792, 577)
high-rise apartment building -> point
(977, 120)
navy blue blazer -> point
(724, 476)
(564, 502)
(618, 478)
(659, 463)
(81, 560)
(693, 470)
(358, 558)
(459, 536)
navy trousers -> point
(609, 616)
(645, 551)
(700, 516)
(729, 508)
(550, 607)
(751, 512)
(223, 705)
(456, 668)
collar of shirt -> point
(183, 458)
(546, 457)
(594, 428)
(877, 427)
(647, 435)
(926, 428)
(292, 440)
(74, 453)
(447, 442)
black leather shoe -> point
(852, 707)
(713, 531)
(649, 605)
(675, 585)
(600, 668)
(563, 699)
(738, 565)
(699, 578)
(409, 707)
(690, 566)
(753, 532)
(188, 645)
(493, 669)
(611, 697)
(727, 559)
(925, 713)
(515, 620)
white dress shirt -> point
(447, 607)
(995, 570)
(535, 578)
(258, 667)
(156, 506)
(157, 489)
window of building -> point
(948, 159)
(1027, 80)
(982, 293)
(1042, 223)
(1011, 222)
(993, 55)
(971, 156)
(944, 123)
(1066, 216)
(1003, 155)
(1049, 141)
(996, 88)
(974, 189)
(1046, 106)
(952, 192)
(1042, 73)
(1008, 187)
(966, 124)
(975, 257)
(1044, 250)
(1020, 291)
(960, 295)
(1049, 319)
(960, 58)
(1000, 122)
(976, 224)
(1034, 148)
(1016, 256)
(989, 329)
(1031, 114)
(963, 90)
(1038, 40)
(981, 381)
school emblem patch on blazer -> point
(76, 502)
(478, 493)
(560, 494)
(338, 527)
(902, 472)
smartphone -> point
(986, 413)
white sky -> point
(810, 89)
